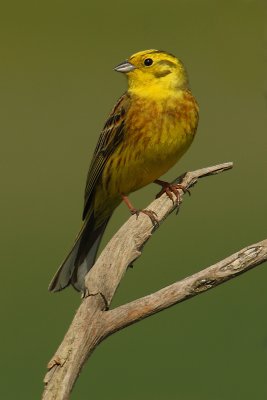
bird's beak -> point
(124, 67)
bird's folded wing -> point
(110, 137)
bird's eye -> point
(148, 62)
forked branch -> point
(93, 321)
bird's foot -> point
(151, 214)
(170, 189)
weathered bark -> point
(93, 321)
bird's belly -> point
(158, 159)
(150, 159)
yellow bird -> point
(148, 130)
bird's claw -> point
(173, 188)
(151, 214)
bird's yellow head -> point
(154, 70)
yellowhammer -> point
(148, 130)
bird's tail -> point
(81, 257)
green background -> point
(57, 88)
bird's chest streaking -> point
(157, 133)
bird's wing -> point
(110, 137)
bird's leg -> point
(170, 188)
(151, 214)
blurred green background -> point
(57, 88)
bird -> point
(151, 126)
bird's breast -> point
(157, 133)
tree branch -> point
(92, 323)
(208, 278)
(126, 245)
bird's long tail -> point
(81, 257)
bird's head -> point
(154, 69)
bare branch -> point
(126, 245)
(208, 278)
(91, 322)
